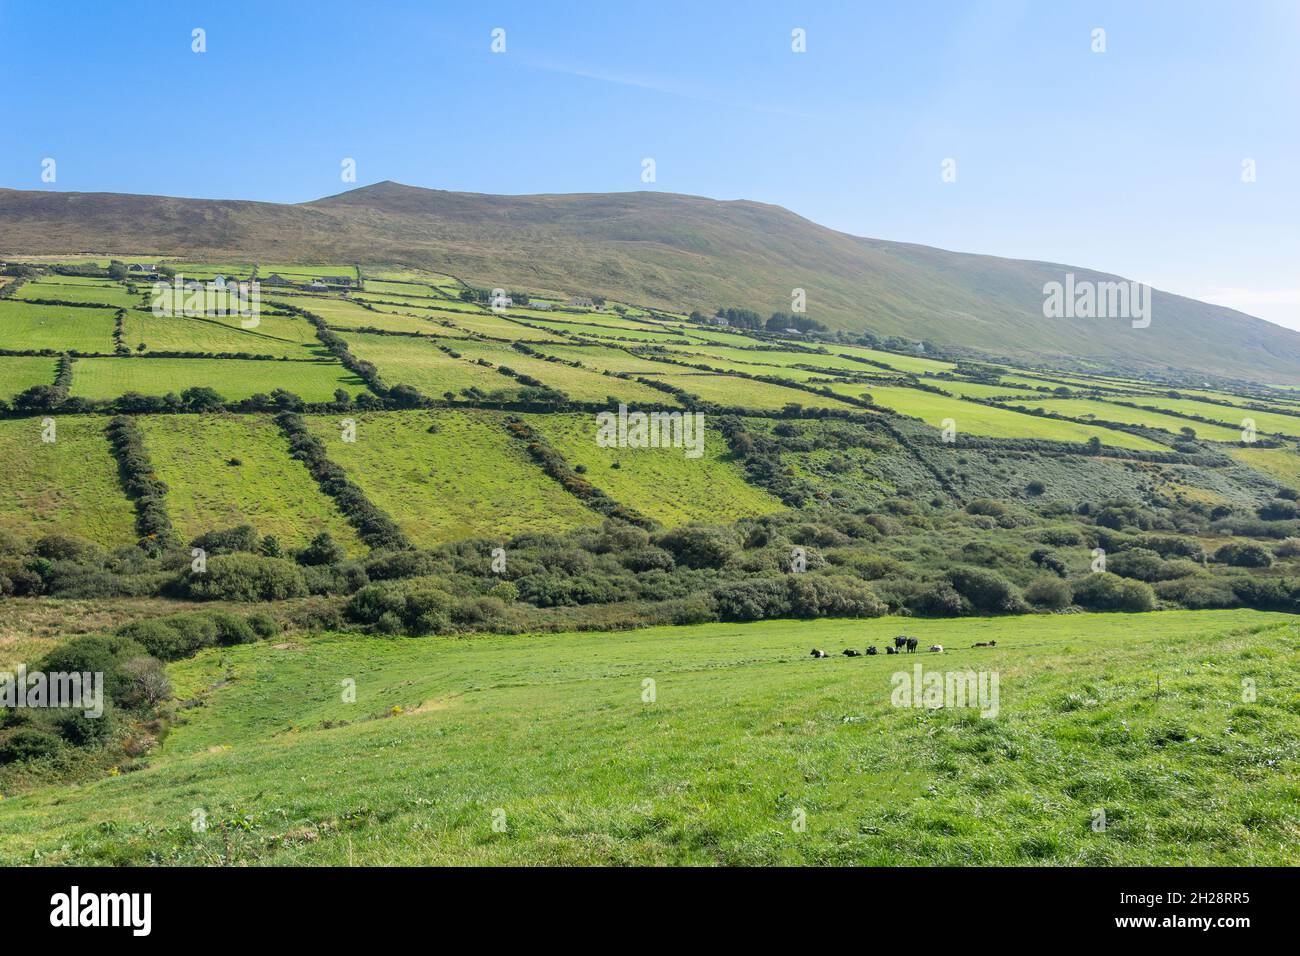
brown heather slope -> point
(672, 251)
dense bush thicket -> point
(142, 484)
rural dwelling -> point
(141, 267)
(318, 285)
(582, 302)
(276, 279)
(720, 320)
(337, 280)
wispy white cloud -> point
(666, 87)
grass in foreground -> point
(1140, 715)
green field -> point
(267, 489)
(406, 360)
(602, 358)
(1281, 463)
(115, 295)
(1266, 423)
(1140, 716)
(342, 314)
(732, 390)
(20, 372)
(1107, 411)
(68, 486)
(976, 419)
(904, 363)
(278, 335)
(234, 379)
(24, 326)
(980, 390)
(661, 483)
(467, 479)
(581, 384)
(295, 272)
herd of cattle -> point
(901, 643)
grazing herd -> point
(901, 643)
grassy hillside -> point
(69, 485)
(555, 739)
(674, 252)
(20, 372)
(453, 475)
(106, 378)
(227, 470)
(661, 483)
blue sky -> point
(1128, 160)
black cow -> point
(871, 651)
(890, 650)
(900, 642)
(817, 653)
(850, 652)
(911, 644)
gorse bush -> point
(1109, 592)
(244, 577)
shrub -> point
(1109, 592)
(647, 559)
(1244, 555)
(427, 611)
(372, 602)
(229, 540)
(1050, 592)
(1287, 548)
(144, 684)
(752, 600)
(102, 653)
(238, 577)
(28, 743)
(987, 590)
(939, 598)
(815, 595)
(699, 547)
(322, 550)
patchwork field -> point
(467, 478)
(581, 384)
(977, 419)
(69, 485)
(343, 314)
(115, 295)
(731, 390)
(20, 372)
(24, 326)
(661, 483)
(276, 335)
(418, 362)
(226, 470)
(106, 378)
(1265, 422)
(1108, 411)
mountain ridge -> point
(672, 251)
